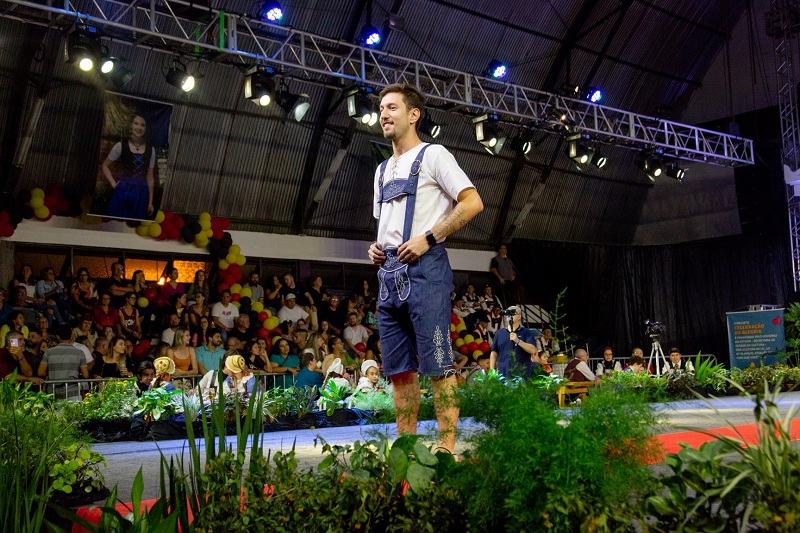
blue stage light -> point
(271, 11)
(497, 70)
(594, 95)
(370, 36)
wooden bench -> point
(573, 387)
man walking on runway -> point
(413, 203)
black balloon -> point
(227, 240)
(187, 235)
(195, 227)
(244, 303)
(214, 246)
(27, 211)
(24, 196)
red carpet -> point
(670, 442)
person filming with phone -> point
(12, 358)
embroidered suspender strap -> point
(380, 197)
(411, 197)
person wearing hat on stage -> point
(165, 367)
(369, 377)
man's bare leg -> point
(406, 401)
(445, 400)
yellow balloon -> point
(205, 224)
(241, 260)
(461, 321)
(236, 288)
(235, 249)
(160, 216)
(476, 354)
(269, 313)
(461, 327)
(468, 338)
(272, 322)
(205, 216)
(201, 241)
(275, 339)
(141, 231)
(37, 193)
(142, 301)
(257, 307)
(208, 233)
(459, 343)
(223, 265)
(42, 212)
(36, 202)
(237, 304)
(246, 291)
(452, 327)
(154, 230)
(231, 258)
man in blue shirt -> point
(512, 345)
(210, 355)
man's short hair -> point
(674, 350)
(210, 332)
(412, 97)
(34, 329)
(636, 360)
(13, 333)
(64, 332)
(223, 291)
(352, 313)
(580, 352)
(483, 357)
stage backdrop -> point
(121, 188)
(612, 290)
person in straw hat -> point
(165, 367)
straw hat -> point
(366, 366)
(164, 365)
(235, 363)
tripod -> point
(658, 353)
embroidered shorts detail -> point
(414, 314)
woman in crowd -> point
(16, 322)
(354, 306)
(48, 340)
(27, 283)
(171, 286)
(129, 319)
(371, 317)
(139, 283)
(198, 286)
(544, 359)
(83, 292)
(183, 355)
(114, 364)
(316, 343)
(25, 279)
(369, 377)
(200, 332)
(105, 315)
(84, 328)
(272, 294)
(256, 357)
(366, 296)
(145, 374)
(336, 351)
(179, 307)
(325, 331)
(607, 365)
(309, 376)
(197, 310)
(373, 352)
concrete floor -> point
(125, 458)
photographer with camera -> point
(512, 345)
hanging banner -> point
(755, 337)
(133, 158)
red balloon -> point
(235, 269)
(218, 233)
(263, 333)
(62, 206)
(262, 316)
(4, 217)
(150, 294)
(178, 222)
(6, 230)
(361, 347)
(453, 335)
(223, 286)
(463, 350)
(226, 223)
(231, 279)
(472, 346)
(454, 319)
(484, 346)
(236, 297)
(51, 202)
(57, 191)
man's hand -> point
(36, 381)
(412, 249)
(514, 338)
(376, 255)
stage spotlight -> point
(119, 77)
(486, 134)
(258, 85)
(560, 115)
(520, 144)
(651, 165)
(496, 70)
(178, 77)
(675, 172)
(578, 150)
(593, 94)
(599, 160)
(107, 64)
(360, 107)
(83, 47)
(294, 105)
(370, 36)
(270, 11)
(429, 127)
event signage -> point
(755, 336)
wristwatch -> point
(430, 238)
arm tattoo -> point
(453, 222)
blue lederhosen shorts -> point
(414, 314)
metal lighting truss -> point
(215, 34)
(783, 23)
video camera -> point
(511, 311)
(654, 329)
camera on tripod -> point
(654, 329)
(511, 311)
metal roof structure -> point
(271, 174)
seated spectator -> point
(84, 327)
(374, 350)
(578, 369)
(43, 325)
(209, 355)
(336, 351)
(171, 286)
(162, 349)
(325, 330)
(366, 297)
(145, 374)
(547, 343)
(308, 375)
(459, 310)
(607, 365)
(177, 305)
(369, 377)
(16, 322)
(482, 332)
(256, 358)
(490, 300)
(54, 294)
(232, 346)
(301, 325)
(109, 332)
(237, 378)
(19, 303)
(34, 348)
(26, 280)
(64, 362)
(496, 319)
(337, 374)
(198, 286)
(224, 313)
(5, 306)
(242, 332)
(371, 316)
(130, 321)
(316, 343)
(256, 290)
(472, 302)
(635, 365)
(200, 332)
(116, 286)
(139, 282)
(299, 342)
(114, 363)
(83, 293)
(319, 295)
(354, 333)
(173, 323)
(283, 362)
(198, 311)
(354, 306)
(165, 368)
(333, 314)
(291, 312)
(105, 314)
(544, 359)
(676, 362)
(183, 355)
(533, 367)
(290, 286)
(481, 369)
(273, 299)
(12, 358)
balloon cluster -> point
(168, 226)
(36, 204)
(464, 341)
